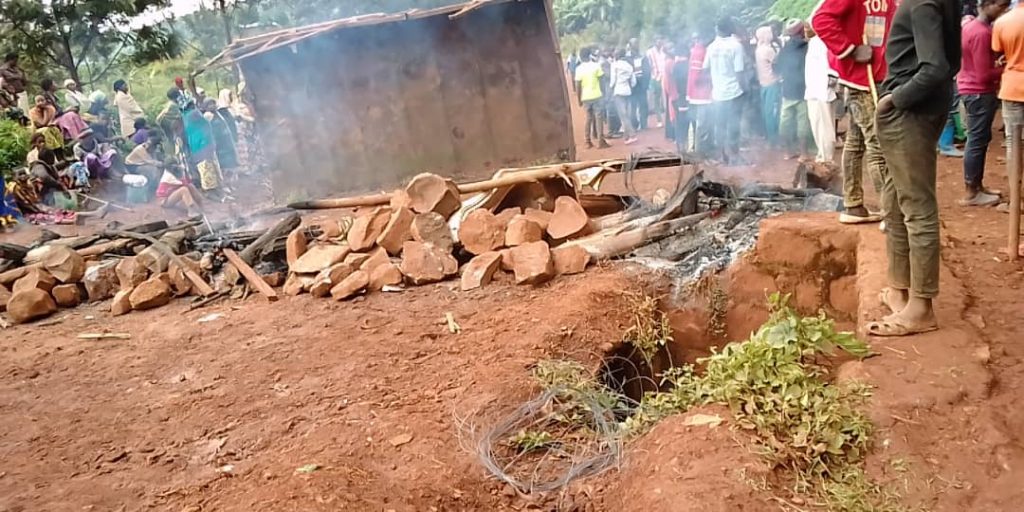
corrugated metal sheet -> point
(367, 105)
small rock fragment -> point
(431, 228)
(121, 304)
(366, 229)
(505, 216)
(131, 273)
(384, 275)
(523, 230)
(539, 216)
(295, 245)
(376, 258)
(432, 193)
(570, 259)
(330, 277)
(101, 280)
(318, 258)
(397, 231)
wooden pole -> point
(1015, 181)
(507, 177)
(250, 275)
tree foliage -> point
(83, 38)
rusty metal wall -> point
(366, 108)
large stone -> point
(30, 304)
(319, 257)
(330, 277)
(523, 230)
(131, 273)
(36, 278)
(506, 259)
(570, 259)
(532, 263)
(180, 284)
(480, 270)
(398, 231)
(366, 229)
(296, 284)
(431, 228)
(65, 264)
(5, 296)
(384, 275)
(376, 258)
(295, 245)
(274, 279)
(154, 260)
(151, 293)
(400, 199)
(121, 304)
(505, 216)
(423, 263)
(481, 232)
(101, 280)
(539, 216)
(351, 285)
(432, 193)
(569, 219)
(67, 295)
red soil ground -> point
(153, 422)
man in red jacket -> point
(855, 33)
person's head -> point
(37, 141)
(11, 58)
(225, 98)
(21, 176)
(121, 86)
(174, 94)
(764, 36)
(179, 83)
(40, 101)
(620, 54)
(670, 51)
(725, 27)
(209, 105)
(633, 44)
(47, 85)
(585, 53)
(992, 9)
(140, 124)
(70, 84)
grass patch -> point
(815, 431)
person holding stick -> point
(923, 54)
(855, 33)
(1008, 38)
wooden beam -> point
(256, 249)
(250, 275)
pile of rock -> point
(410, 242)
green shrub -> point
(14, 140)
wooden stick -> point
(104, 201)
(209, 300)
(509, 177)
(105, 336)
(871, 76)
(1014, 172)
(612, 243)
(255, 280)
(255, 250)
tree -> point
(83, 35)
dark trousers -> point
(702, 115)
(981, 111)
(908, 143)
(595, 120)
(727, 126)
(638, 106)
(682, 128)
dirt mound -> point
(677, 467)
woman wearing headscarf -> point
(70, 123)
(44, 121)
(75, 99)
(201, 145)
(225, 102)
(99, 158)
(128, 110)
(223, 140)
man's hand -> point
(863, 54)
(885, 104)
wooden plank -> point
(250, 275)
(200, 284)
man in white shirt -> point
(724, 60)
(819, 95)
(622, 82)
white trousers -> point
(822, 128)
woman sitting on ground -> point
(176, 191)
(70, 123)
(141, 134)
(143, 160)
(26, 192)
(44, 122)
(100, 158)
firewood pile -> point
(534, 224)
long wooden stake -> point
(871, 77)
(250, 275)
(1014, 172)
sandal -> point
(891, 327)
(883, 296)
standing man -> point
(589, 94)
(923, 54)
(979, 82)
(791, 65)
(698, 96)
(1008, 38)
(656, 55)
(724, 60)
(771, 88)
(819, 96)
(622, 83)
(642, 70)
(855, 33)
(14, 80)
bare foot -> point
(894, 299)
(917, 317)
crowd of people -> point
(901, 72)
(196, 149)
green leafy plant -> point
(650, 330)
(14, 140)
(528, 440)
